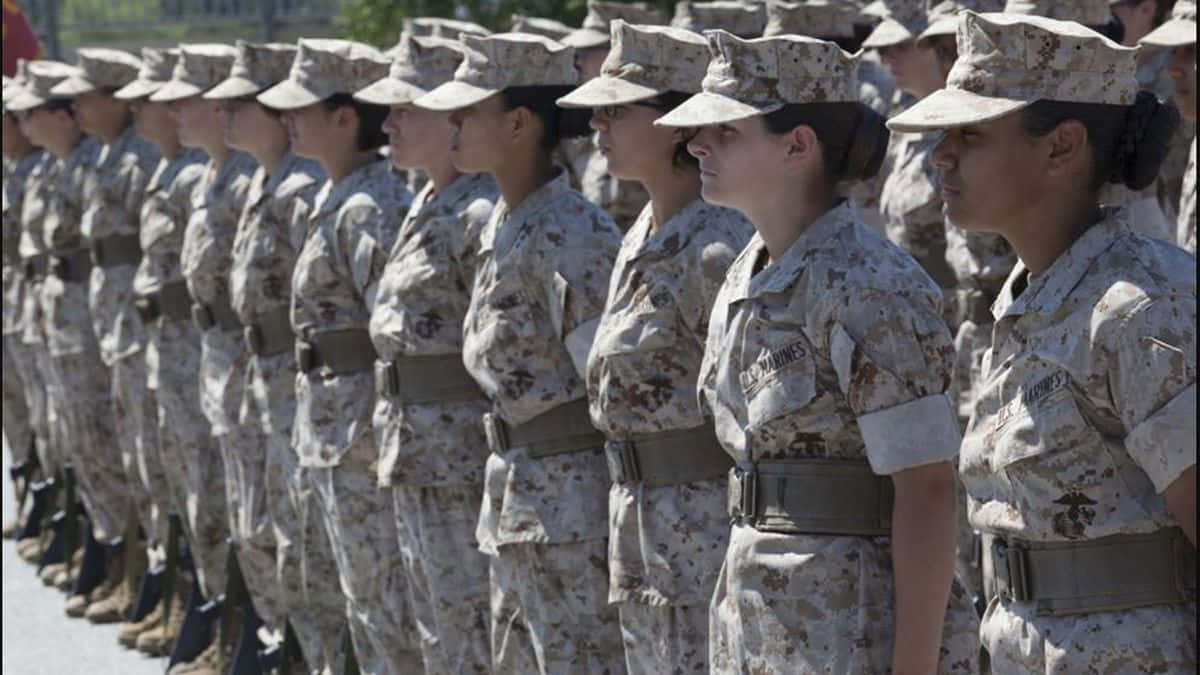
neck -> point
(522, 176)
(112, 129)
(270, 158)
(1038, 243)
(670, 192)
(441, 172)
(345, 163)
(783, 215)
(61, 147)
(218, 153)
(169, 147)
(18, 148)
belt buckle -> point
(1011, 570)
(743, 494)
(387, 380)
(253, 336)
(305, 357)
(622, 461)
(202, 316)
(497, 435)
(96, 253)
(1184, 555)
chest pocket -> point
(779, 372)
(647, 323)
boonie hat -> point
(13, 85)
(816, 18)
(200, 67)
(1177, 31)
(41, 76)
(435, 26)
(1008, 61)
(256, 68)
(323, 68)
(1086, 12)
(99, 68)
(536, 25)
(902, 20)
(497, 62)
(157, 65)
(943, 19)
(747, 78)
(418, 65)
(595, 30)
(740, 18)
(645, 61)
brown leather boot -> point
(30, 549)
(130, 630)
(208, 662)
(76, 605)
(50, 572)
(111, 598)
(157, 641)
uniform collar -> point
(1046, 292)
(783, 272)
(334, 195)
(672, 236)
(559, 184)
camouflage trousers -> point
(45, 413)
(550, 611)
(244, 455)
(306, 568)
(664, 639)
(18, 428)
(190, 454)
(447, 575)
(362, 533)
(1158, 639)
(83, 385)
(137, 431)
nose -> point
(599, 121)
(389, 122)
(699, 145)
(944, 155)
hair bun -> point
(1145, 140)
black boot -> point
(150, 591)
(199, 621)
(245, 655)
(283, 658)
(56, 550)
(40, 494)
(92, 568)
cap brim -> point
(586, 38)
(288, 95)
(138, 89)
(944, 26)
(708, 108)
(946, 108)
(233, 87)
(174, 91)
(72, 86)
(889, 32)
(604, 90)
(1173, 33)
(389, 91)
(24, 101)
(453, 96)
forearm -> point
(923, 528)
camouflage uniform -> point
(81, 383)
(665, 543)
(1098, 351)
(1185, 233)
(432, 453)
(621, 199)
(23, 404)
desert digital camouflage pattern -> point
(1185, 233)
(1096, 352)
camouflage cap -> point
(595, 30)
(1008, 61)
(815, 18)
(451, 29)
(419, 64)
(257, 67)
(1177, 31)
(943, 19)
(536, 25)
(747, 78)
(157, 65)
(902, 20)
(743, 19)
(323, 68)
(41, 77)
(645, 61)
(497, 62)
(99, 68)
(13, 85)
(1086, 12)
(200, 67)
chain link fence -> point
(64, 25)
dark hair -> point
(1113, 30)
(370, 120)
(945, 47)
(557, 123)
(1129, 142)
(854, 138)
(682, 159)
(850, 44)
(63, 104)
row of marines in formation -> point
(351, 311)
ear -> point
(520, 121)
(344, 117)
(1066, 148)
(802, 147)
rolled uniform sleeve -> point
(893, 357)
(1153, 385)
(366, 255)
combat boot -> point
(130, 630)
(112, 598)
(208, 662)
(158, 640)
(41, 494)
(76, 605)
(11, 527)
(65, 580)
(50, 572)
(30, 549)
